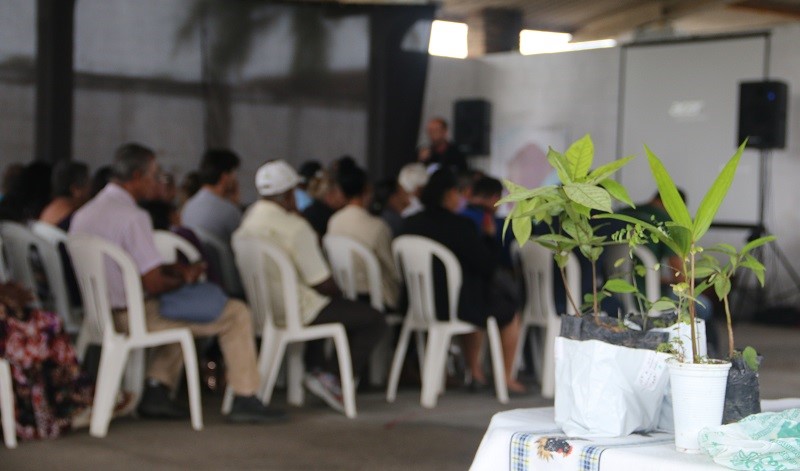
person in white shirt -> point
(356, 222)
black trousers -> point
(364, 325)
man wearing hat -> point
(274, 217)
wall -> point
(578, 93)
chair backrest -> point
(253, 257)
(342, 252)
(21, 243)
(414, 256)
(220, 257)
(537, 269)
(625, 269)
(54, 235)
(90, 255)
(170, 244)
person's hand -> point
(488, 226)
(424, 154)
(192, 273)
(14, 295)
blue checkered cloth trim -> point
(590, 455)
(523, 446)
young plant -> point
(567, 209)
(719, 275)
(682, 233)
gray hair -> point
(130, 158)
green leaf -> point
(523, 194)
(722, 286)
(665, 238)
(522, 228)
(755, 266)
(726, 249)
(556, 238)
(673, 203)
(589, 195)
(750, 357)
(617, 191)
(682, 236)
(604, 171)
(558, 162)
(664, 304)
(616, 285)
(716, 195)
(579, 158)
(757, 243)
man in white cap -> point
(274, 217)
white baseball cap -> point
(276, 177)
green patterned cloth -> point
(766, 441)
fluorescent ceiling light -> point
(545, 42)
(448, 39)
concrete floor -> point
(397, 436)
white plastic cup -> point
(698, 398)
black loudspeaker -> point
(472, 126)
(762, 114)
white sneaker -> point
(326, 387)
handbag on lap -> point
(199, 302)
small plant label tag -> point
(650, 372)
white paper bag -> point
(604, 390)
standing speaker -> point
(472, 126)
(762, 114)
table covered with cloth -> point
(529, 439)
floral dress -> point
(49, 388)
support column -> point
(54, 79)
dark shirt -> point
(451, 158)
(318, 214)
(475, 254)
(394, 220)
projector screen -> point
(681, 99)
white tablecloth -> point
(528, 439)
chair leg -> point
(379, 360)
(397, 362)
(270, 374)
(519, 361)
(549, 369)
(420, 338)
(192, 381)
(498, 367)
(536, 335)
(7, 406)
(112, 362)
(346, 373)
(435, 358)
(295, 369)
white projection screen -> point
(681, 99)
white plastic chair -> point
(652, 281)
(342, 252)
(221, 257)
(20, 241)
(89, 255)
(254, 256)
(540, 310)
(414, 255)
(170, 244)
(7, 405)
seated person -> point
(412, 180)
(71, 189)
(476, 252)
(355, 222)
(326, 197)
(274, 218)
(215, 207)
(388, 203)
(50, 393)
(308, 171)
(114, 216)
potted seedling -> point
(698, 383)
(566, 214)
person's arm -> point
(165, 278)
(328, 288)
